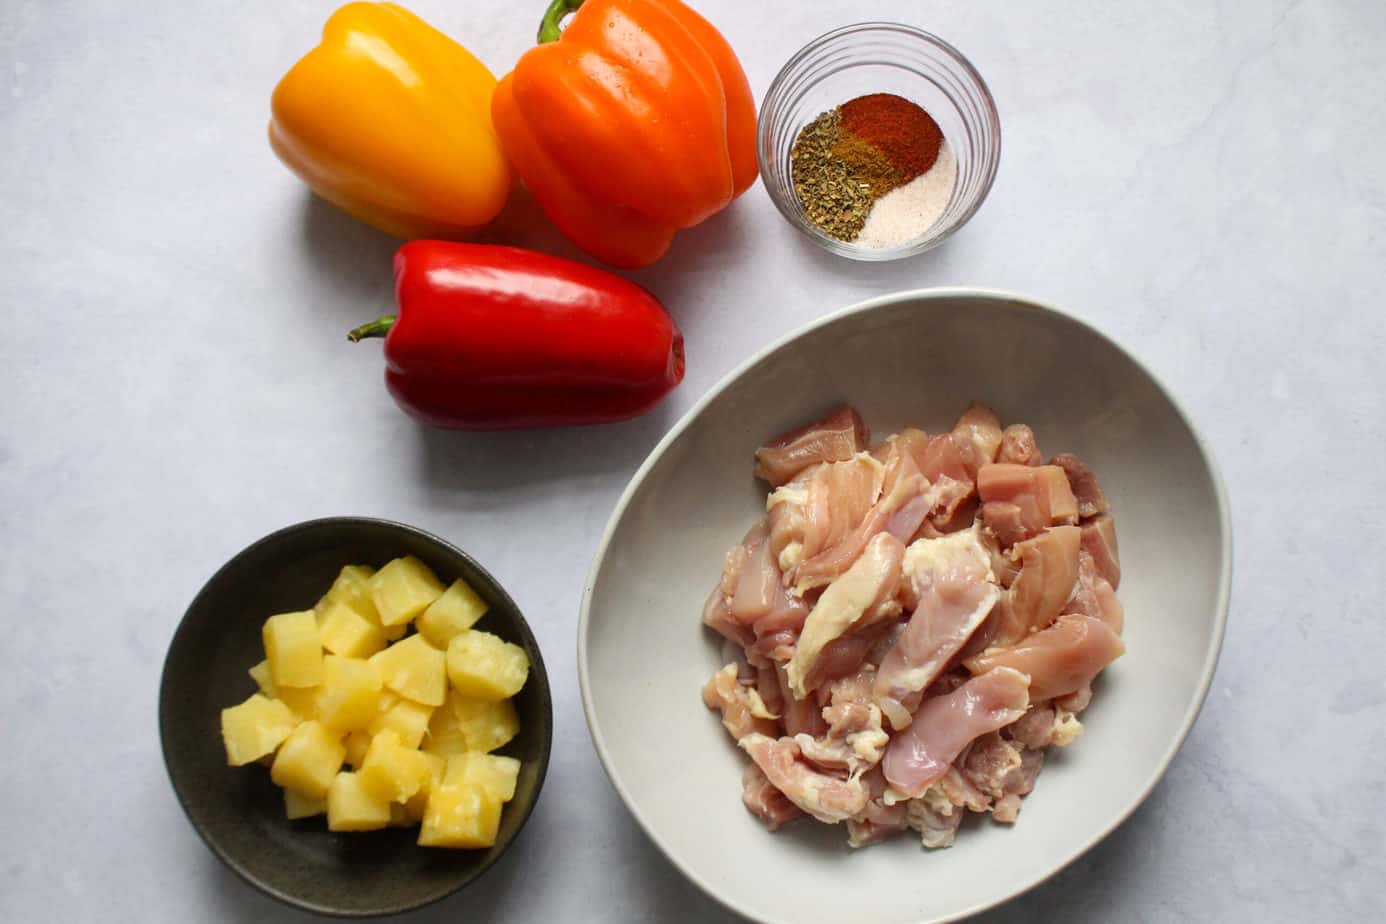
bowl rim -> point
(1209, 666)
(847, 249)
(233, 863)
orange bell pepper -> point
(390, 120)
(633, 122)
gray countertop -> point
(1204, 180)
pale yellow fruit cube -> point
(308, 759)
(415, 670)
(356, 744)
(407, 719)
(456, 611)
(255, 728)
(302, 701)
(463, 724)
(418, 803)
(351, 808)
(460, 815)
(293, 649)
(403, 589)
(350, 691)
(260, 673)
(393, 772)
(346, 632)
(297, 805)
(352, 587)
(485, 666)
(493, 773)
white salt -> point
(908, 211)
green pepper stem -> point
(548, 26)
(377, 328)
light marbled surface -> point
(1203, 180)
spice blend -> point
(849, 160)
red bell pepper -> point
(495, 338)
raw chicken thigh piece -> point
(825, 797)
(1059, 660)
(863, 596)
(944, 725)
(1100, 541)
(979, 428)
(837, 437)
(951, 588)
(764, 801)
(1018, 446)
(743, 711)
(1093, 596)
(935, 818)
(1018, 501)
(1048, 570)
(1091, 500)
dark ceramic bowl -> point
(237, 810)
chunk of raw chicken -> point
(863, 596)
(979, 428)
(935, 817)
(743, 710)
(1058, 660)
(921, 754)
(1091, 500)
(1045, 725)
(877, 820)
(1100, 541)
(1048, 571)
(838, 436)
(799, 716)
(1018, 446)
(764, 801)
(824, 796)
(1093, 596)
(1018, 501)
(814, 516)
(950, 586)
(1017, 784)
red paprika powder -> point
(904, 133)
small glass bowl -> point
(882, 57)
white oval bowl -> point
(909, 358)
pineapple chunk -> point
(456, 611)
(460, 815)
(260, 673)
(414, 669)
(346, 632)
(418, 803)
(407, 718)
(297, 805)
(356, 744)
(350, 691)
(391, 772)
(463, 724)
(485, 666)
(308, 760)
(493, 773)
(403, 589)
(293, 649)
(352, 587)
(351, 808)
(254, 729)
(302, 701)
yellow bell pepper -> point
(390, 119)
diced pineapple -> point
(418, 803)
(351, 587)
(346, 632)
(493, 773)
(302, 701)
(254, 729)
(485, 666)
(308, 759)
(297, 805)
(260, 673)
(403, 589)
(351, 808)
(391, 771)
(464, 724)
(414, 669)
(407, 718)
(460, 815)
(456, 611)
(293, 649)
(350, 690)
(356, 744)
